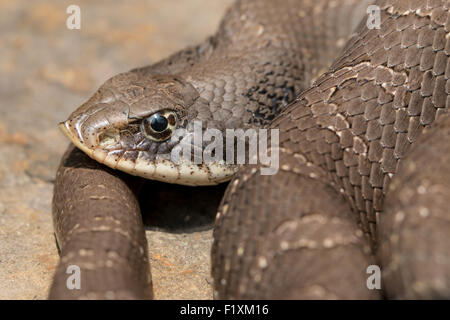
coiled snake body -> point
(292, 234)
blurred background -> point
(46, 71)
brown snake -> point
(305, 231)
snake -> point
(353, 103)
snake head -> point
(133, 123)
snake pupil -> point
(158, 122)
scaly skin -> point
(415, 228)
(98, 226)
(290, 235)
(275, 238)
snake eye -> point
(158, 122)
(160, 125)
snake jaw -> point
(75, 139)
(160, 169)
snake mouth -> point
(160, 169)
(75, 139)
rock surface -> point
(46, 71)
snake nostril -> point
(108, 138)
